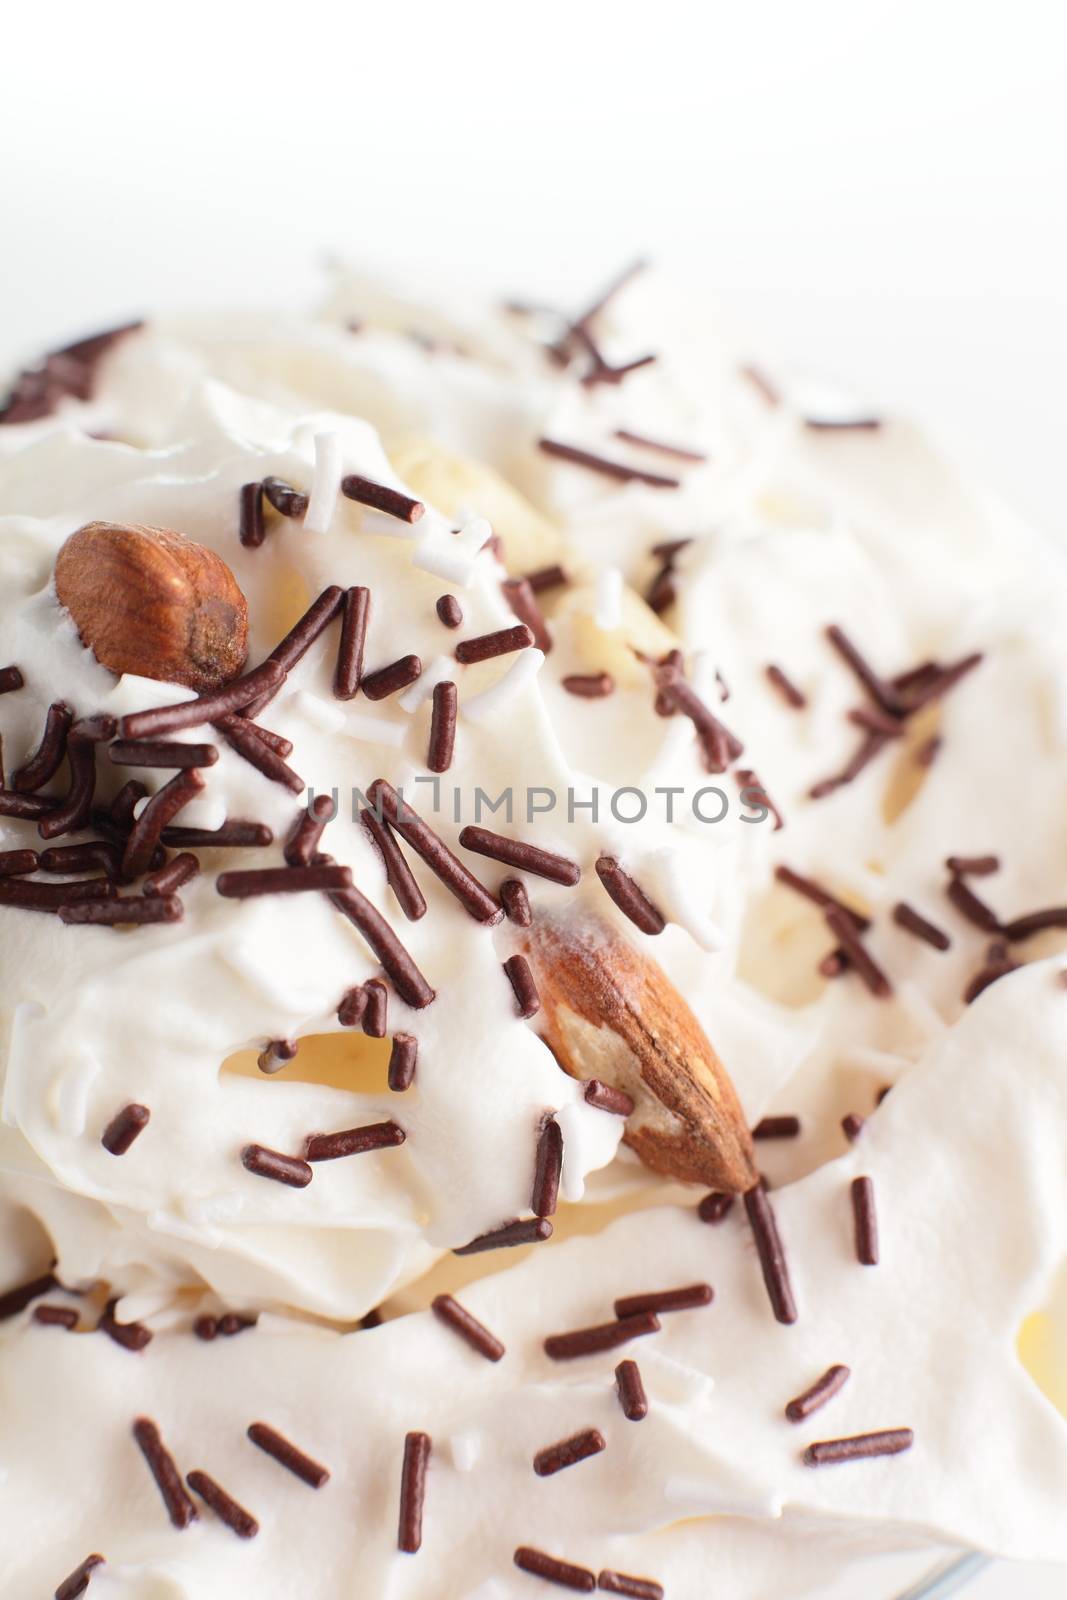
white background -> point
(871, 188)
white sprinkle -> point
(466, 1449)
(452, 555)
(325, 483)
(525, 667)
(375, 730)
(440, 668)
(325, 715)
(607, 608)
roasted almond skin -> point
(151, 602)
(609, 1011)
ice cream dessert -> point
(532, 992)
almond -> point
(151, 602)
(610, 1012)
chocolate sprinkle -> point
(843, 928)
(969, 905)
(354, 618)
(852, 1126)
(823, 1389)
(287, 1455)
(973, 866)
(568, 1452)
(607, 1098)
(161, 753)
(771, 1255)
(206, 707)
(295, 645)
(408, 981)
(517, 853)
(74, 1586)
(871, 747)
(636, 1588)
(72, 812)
(562, 1573)
(242, 1522)
(631, 1391)
(403, 1060)
(273, 1164)
(10, 679)
(1035, 922)
(719, 745)
(303, 842)
(12, 1301)
(519, 975)
(881, 692)
(715, 1208)
(818, 895)
(907, 917)
(609, 469)
(516, 902)
(251, 527)
(589, 685)
(417, 1448)
(519, 594)
(381, 498)
(282, 880)
(354, 1141)
(159, 813)
(456, 1317)
(452, 873)
(442, 728)
(529, 1231)
(502, 642)
(548, 1167)
(129, 1335)
(659, 1300)
(286, 500)
(631, 900)
(128, 912)
(246, 738)
(604, 1336)
(777, 1128)
(235, 834)
(677, 450)
(398, 874)
(449, 610)
(123, 1129)
(52, 897)
(277, 1054)
(786, 688)
(866, 1221)
(375, 1009)
(180, 1508)
(15, 863)
(27, 807)
(56, 1317)
(543, 578)
(48, 757)
(862, 1446)
(387, 680)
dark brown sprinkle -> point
(516, 902)
(623, 1583)
(568, 1452)
(870, 747)
(442, 728)
(15, 863)
(973, 866)
(282, 880)
(287, 1455)
(408, 981)
(818, 895)
(180, 1508)
(589, 685)
(772, 1260)
(852, 1126)
(520, 596)
(373, 1319)
(601, 371)
(353, 1005)
(242, 1522)
(77, 1583)
(403, 1059)
(96, 856)
(927, 752)
(609, 469)
(844, 930)
(233, 1322)
(631, 900)
(517, 853)
(355, 614)
(874, 720)
(631, 1391)
(562, 1573)
(860, 1447)
(284, 498)
(53, 897)
(998, 968)
(295, 645)
(472, 895)
(882, 1093)
(715, 1208)
(235, 834)
(524, 988)
(182, 870)
(48, 757)
(26, 807)
(243, 736)
(417, 1448)
(354, 1141)
(70, 371)
(607, 1098)
(387, 680)
(787, 688)
(881, 692)
(206, 707)
(833, 964)
(10, 678)
(376, 1009)
(543, 578)
(777, 1128)
(131, 910)
(605, 1336)
(548, 1167)
(273, 1164)
(121, 810)
(12, 1301)
(969, 905)
(502, 642)
(303, 841)
(866, 1219)
(907, 917)
(1035, 922)
(159, 813)
(719, 745)
(251, 527)
(206, 1327)
(123, 1129)
(276, 1055)
(681, 452)
(660, 1300)
(946, 679)
(762, 384)
(130, 1335)
(754, 795)
(398, 874)
(273, 741)
(532, 1230)
(73, 811)
(449, 1311)
(843, 424)
(56, 1317)
(381, 498)
(823, 1389)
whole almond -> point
(151, 602)
(609, 1012)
